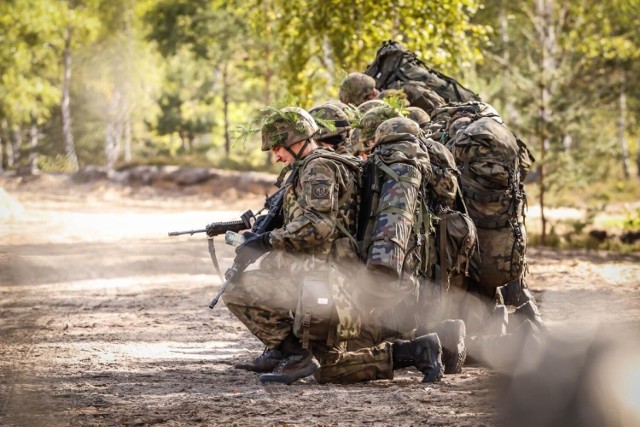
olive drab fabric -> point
(491, 161)
(443, 185)
(395, 65)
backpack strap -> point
(306, 324)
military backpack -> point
(395, 66)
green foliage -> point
(631, 220)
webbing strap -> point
(386, 169)
(426, 221)
(393, 209)
(344, 231)
(306, 322)
(333, 324)
(491, 224)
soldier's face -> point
(282, 155)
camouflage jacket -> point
(319, 206)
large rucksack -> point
(392, 213)
(491, 161)
(394, 66)
(407, 226)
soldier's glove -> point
(255, 244)
(211, 230)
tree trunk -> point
(638, 158)
(225, 108)
(510, 111)
(622, 127)
(267, 61)
(112, 138)
(126, 125)
(5, 144)
(548, 67)
(33, 150)
(16, 144)
(67, 131)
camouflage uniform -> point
(308, 241)
(387, 301)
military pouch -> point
(316, 317)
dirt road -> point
(104, 321)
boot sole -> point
(433, 375)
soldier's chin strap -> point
(297, 155)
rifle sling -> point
(212, 252)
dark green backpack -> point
(394, 63)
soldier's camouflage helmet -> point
(419, 116)
(329, 113)
(286, 127)
(372, 119)
(396, 126)
(368, 105)
(457, 125)
(356, 88)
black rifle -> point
(217, 228)
(260, 224)
(264, 223)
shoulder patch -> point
(320, 191)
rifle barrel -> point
(191, 232)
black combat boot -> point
(425, 353)
(296, 364)
(452, 333)
(529, 310)
(266, 362)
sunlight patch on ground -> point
(110, 352)
(140, 283)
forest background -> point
(128, 82)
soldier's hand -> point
(256, 244)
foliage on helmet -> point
(395, 97)
(373, 118)
(356, 88)
(368, 105)
(350, 110)
(331, 120)
(286, 126)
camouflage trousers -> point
(366, 358)
(264, 301)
